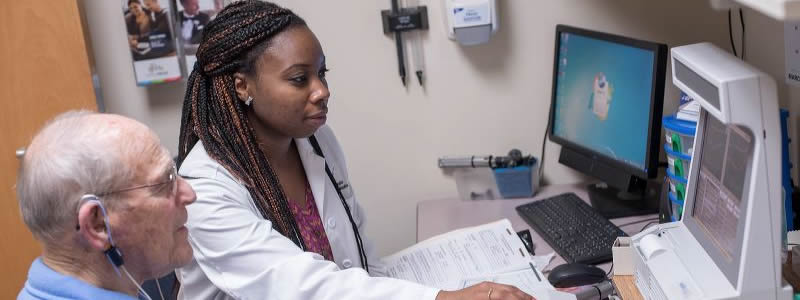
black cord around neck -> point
(359, 242)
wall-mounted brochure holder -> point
(151, 41)
(163, 36)
(190, 19)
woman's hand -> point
(485, 291)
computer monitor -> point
(608, 95)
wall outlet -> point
(792, 47)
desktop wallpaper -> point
(603, 97)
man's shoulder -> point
(45, 283)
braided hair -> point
(213, 114)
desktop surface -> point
(435, 217)
(439, 216)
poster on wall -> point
(151, 41)
(192, 17)
(792, 44)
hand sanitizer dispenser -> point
(471, 22)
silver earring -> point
(248, 101)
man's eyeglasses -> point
(170, 181)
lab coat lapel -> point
(314, 166)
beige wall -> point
(158, 106)
(477, 100)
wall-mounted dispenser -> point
(471, 22)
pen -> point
(398, 38)
(534, 272)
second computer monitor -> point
(606, 112)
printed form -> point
(464, 257)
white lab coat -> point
(238, 255)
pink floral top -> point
(310, 224)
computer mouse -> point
(575, 274)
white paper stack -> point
(689, 110)
(464, 257)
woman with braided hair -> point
(275, 216)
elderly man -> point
(85, 176)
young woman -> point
(275, 216)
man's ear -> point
(92, 226)
(240, 85)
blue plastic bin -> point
(514, 182)
(678, 163)
(679, 134)
(677, 186)
(677, 206)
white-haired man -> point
(102, 196)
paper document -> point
(688, 110)
(542, 261)
(464, 257)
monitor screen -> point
(720, 192)
(603, 97)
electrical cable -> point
(637, 222)
(139, 287)
(648, 224)
(730, 33)
(158, 285)
(541, 161)
(599, 293)
(741, 20)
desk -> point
(439, 216)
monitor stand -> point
(613, 203)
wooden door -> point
(44, 70)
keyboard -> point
(573, 228)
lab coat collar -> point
(314, 166)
